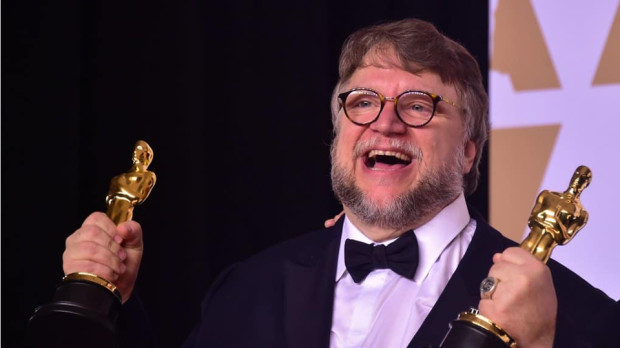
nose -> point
(388, 122)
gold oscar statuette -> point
(126, 191)
(130, 189)
(85, 307)
(555, 220)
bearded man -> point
(410, 121)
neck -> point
(138, 168)
(380, 234)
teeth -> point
(400, 156)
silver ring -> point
(487, 287)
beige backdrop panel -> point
(519, 157)
(554, 87)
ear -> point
(469, 155)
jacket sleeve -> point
(134, 326)
(599, 329)
(586, 317)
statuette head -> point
(142, 153)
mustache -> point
(410, 149)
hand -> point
(104, 249)
(331, 222)
(524, 302)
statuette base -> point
(79, 312)
(472, 330)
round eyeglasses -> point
(363, 106)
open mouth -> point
(379, 159)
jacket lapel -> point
(462, 291)
(309, 287)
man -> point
(409, 115)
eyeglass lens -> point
(414, 108)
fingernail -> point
(118, 239)
(122, 254)
(123, 268)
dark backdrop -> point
(233, 96)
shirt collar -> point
(433, 236)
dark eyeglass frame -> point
(342, 98)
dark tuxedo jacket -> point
(283, 297)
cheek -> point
(346, 140)
(444, 145)
(342, 150)
(432, 149)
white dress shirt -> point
(386, 309)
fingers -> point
(98, 269)
(95, 234)
(130, 233)
(524, 301)
(106, 250)
(95, 248)
(331, 222)
(516, 270)
(92, 251)
(102, 221)
(517, 256)
(337, 217)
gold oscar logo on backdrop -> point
(519, 48)
(609, 66)
(520, 51)
(523, 154)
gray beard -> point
(435, 190)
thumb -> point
(131, 234)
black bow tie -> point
(401, 256)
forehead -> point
(391, 80)
(382, 61)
